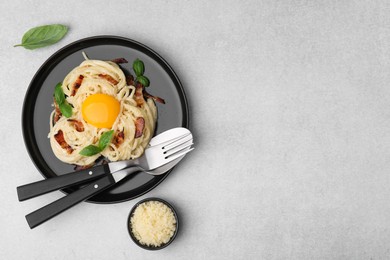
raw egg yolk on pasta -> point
(100, 110)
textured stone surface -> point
(290, 113)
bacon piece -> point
(155, 98)
(141, 90)
(57, 113)
(104, 161)
(119, 138)
(119, 60)
(130, 80)
(109, 78)
(77, 84)
(138, 95)
(59, 136)
(77, 125)
(139, 126)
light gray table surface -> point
(290, 110)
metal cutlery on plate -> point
(164, 152)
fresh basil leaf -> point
(90, 150)
(42, 36)
(144, 81)
(65, 109)
(138, 67)
(59, 95)
(105, 139)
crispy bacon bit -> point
(59, 136)
(77, 85)
(138, 95)
(119, 138)
(155, 98)
(119, 60)
(141, 90)
(57, 113)
(130, 80)
(139, 126)
(104, 161)
(77, 125)
(109, 78)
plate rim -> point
(50, 63)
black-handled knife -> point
(34, 189)
(165, 154)
(51, 210)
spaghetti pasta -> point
(93, 77)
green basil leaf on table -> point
(42, 36)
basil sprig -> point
(139, 69)
(143, 80)
(63, 105)
(42, 36)
(104, 141)
(90, 150)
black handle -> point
(53, 209)
(34, 189)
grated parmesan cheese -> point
(153, 223)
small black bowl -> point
(135, 239)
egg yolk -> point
(100, 110)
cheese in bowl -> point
(152, 223)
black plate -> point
(39, 98)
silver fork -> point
(156, 160)
(157, 156)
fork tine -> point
(173, 140)
(177, 155)
(178, 148)
(177, 142)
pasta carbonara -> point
(102, 99)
